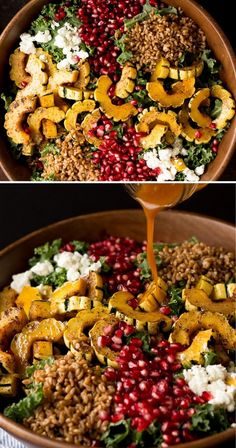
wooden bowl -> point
(217, 41)
(172, 226)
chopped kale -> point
(55, 279)
(176, 302)
(80, 246)
(45, 252)
(142, 263)
(7, 100)
(38, 366)
(121, 434)
(50, 148)
(117, 434)
(198, 155)
(25, 407)
(209, 358)
(208, 420)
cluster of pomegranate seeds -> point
(118, 159)
(147, 389)
(100, 20)
(120, 254)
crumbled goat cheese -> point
(27, 41)
(216, 380)
(190, 176)
(21, 280)
(68, 39)
(77, 265)
(26, 44)
(200, 170)
(42, 268)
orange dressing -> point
(154, 198)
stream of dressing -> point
(154, 198)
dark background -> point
(222, 11)
(27, 207)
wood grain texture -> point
(216, 39)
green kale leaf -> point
(45, 252)
(7, 100)
(50, 148)
(80, 246)
(176, 302)
(149, 437)
(38, 366)
(209, 358)
(216, 110)
(25, 407)
(209, 420)
(117, 434)
(55, 279)
(198, 155)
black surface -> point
(25, 208)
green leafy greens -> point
(176, 302)
(55, 279)
(38, 366)
(121, 434)
(209, 420)
(7, 100)
(198, 155)
(45, 252)
(142, 263)
(25, 407)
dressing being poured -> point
(154, 198)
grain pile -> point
(72, 163)
(76, 396)
(189, 261)
(169, 36)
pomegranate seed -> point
(214, 148)
(212, 126)
(117, 417)
(134, 303)
(24, 84)
(198, 134)
(108, 330)
(165, 310)
(103, 341)
(206, 396)
(104, 416)
(116, 340)
(136, 342)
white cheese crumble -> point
(19, 281)
(162, 159)
(77, 265)
(216, 380)
(66, 38)
(27, 41)
(42, 268)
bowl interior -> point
(171, 226)
(216, 41)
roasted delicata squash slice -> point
(161, 70)
(61, 77)
(182, 73)
(95, 286)
(61, 103)
(83, 75)
(11, 322)
(190, 323)
(53, 114)
(49, 129)
(69, 289)
(154, 296)
(39, 78)
(26, 297)
(15, 117)
(126, 84)
(205, 284)
(73, 93)
(9, 385)
(7, 362)
(228, 106)
(18, 74)
(7, 298)
(88, 124)
(104, 354)
(155, 136)
(119, 304)
(47, 330)
(199, 346)
(194, 105)
(197, 299)
(77, 108)
(84, 319)
(42, 350)
(118, 113)
(47, 100)
(73, 304)
(200, 135)
(180, 91)
(150, 117)
(40, 309)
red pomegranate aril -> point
(212, 126)
(198, 134)
(166, 427)
(104, 416)
(206, 396)
(110, 374)
(165, 310)
(180, 382)
(117, 417)
(136, 342)
(103, 341)
(164, 365)
(116, 340)
(214, 149)
(116, 347)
